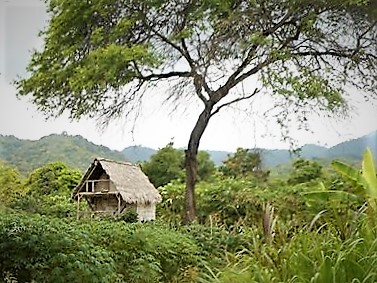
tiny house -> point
(113, 187)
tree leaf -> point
(347, 171)
(369, 174)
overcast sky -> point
(20, 22)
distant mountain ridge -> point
(354, 148)
(350, 150)
(78, 152)
(74, 151)
(137, 154)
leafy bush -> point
(304, 171)
(50, 250)
(44, 249)
(234, 202)
(53, 178)
(11, 187)
(164, 166)
(49, 191)
(129, 216)
(214, 241)
(244, 163)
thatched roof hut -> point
(112, 187)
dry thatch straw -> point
(126, 179)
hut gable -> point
(116, 185)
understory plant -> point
(308, 256)
(364, 190)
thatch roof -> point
(130, 182)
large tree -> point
(100, 56)
(167, 164)
(244, 162)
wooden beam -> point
(119, 200)
(78, 207)
(97, 193)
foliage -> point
(366, 178)
(11, 187)
(234, 202)
(42, 249)
(53, 178)
(49, 190)
(215, 243)
(306, 257)
(244, 162)
(238, 203)
(167, 164)
(245, 233)
(138, 41)
(304, 171)
(344, 198)
(164, 166)
(130, 216)
(338, 207)
(206, 167)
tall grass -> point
(308, 256)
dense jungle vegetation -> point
(313, 224)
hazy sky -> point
(20, 22)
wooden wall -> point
(103, 186)
(107, 203)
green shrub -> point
(49, 191)
(45, 249)
(11, 187)
(50, 250)
(233, 202)
(304, 171)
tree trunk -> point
(191, 164)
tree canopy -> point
(167, 164)
(48, 190)
(304, 171)
(164, 166)
(94, 48)
(244, 162)
(99, 57)
(11, 187)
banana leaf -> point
(348, 171)
(369, 174)
(329, 195)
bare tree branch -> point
(333, 53)
(165, 76)
(233, 80)
(238, 99)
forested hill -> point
(78, 152)
(74, 151)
